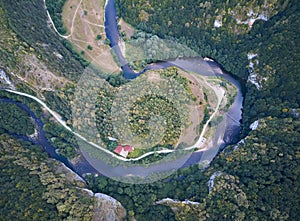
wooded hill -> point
(258, 179)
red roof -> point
(118, 149)
(128, 148)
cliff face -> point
(108, 208)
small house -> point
(123, 150)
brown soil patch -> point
(196, 110)
(38, 75)
(125, 27)
(153, 76)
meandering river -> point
(230, 124)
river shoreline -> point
(218, 143)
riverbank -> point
(145, 170)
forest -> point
(28, 19)
(259, 181)
(14, 120)
(34, 187)
(266, 166)
(54, 8)
(266, 38)
(256, 179)
(193, 25)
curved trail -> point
(120, 170)
(73, 20)
(63, 123)
(220, 95)
(199, 142)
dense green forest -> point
(64, 141)
(55, 9)
(261, 177)
(156, 105)
(29, 21)
(229, 44)
(34, 187)
(277, 44)
(267, 166)
(257, 179)
(193, 25)
(14, 120)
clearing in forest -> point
(84, 21)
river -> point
(226, 132)
(231, 124)
(196, 64)
(40, 139)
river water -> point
(226, 132)
(81, 168)
(230, 124)
(195, 64)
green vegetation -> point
(143, 110)
(28, 20)
(60, 101)
(281, 90)
(98, 37)
(33, 187)
(154, 48)
(64, 141)
(103, 114)
(11, 47)
(193, 25)
(54, 8)
(258, 179)
(116, 80)
(248, 187)
(229, 44)
(150, 106)
(13, 119)
(267, 167)
(33, 105)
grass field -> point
(84, 21)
